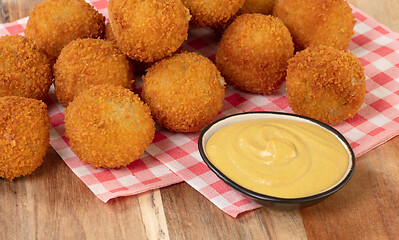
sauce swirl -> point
(279, 157)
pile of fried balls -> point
(93, 66)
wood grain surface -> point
(53, 203)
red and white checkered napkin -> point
(174, 157)
(376, 122)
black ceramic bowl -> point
(284, 203)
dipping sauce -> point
(279, 157)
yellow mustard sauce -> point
(279, 157)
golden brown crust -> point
(253, 53)
(108, 34)
(257, 6)
(148, 30)
(24, 136)
(250, 6)
(326, 84)
(185, 92)
(24, 70)
(87, 62)
(139, 67)
(315, 22)
(53, 24)
(212, 13)
(108, 126)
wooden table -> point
(53, 203)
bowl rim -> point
(264, 197)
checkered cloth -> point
(174, 157)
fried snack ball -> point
(253, 53)
(139, 67)
(24, 136)
(52, 24)
(148, 30)
(315, 22)
(24, 70)
(108, 126)
(212, 13)
(326, 84)
(185, 92)
(87, 62)
(257, 6)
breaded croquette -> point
(24, 136)
(257, 6)
(148, 30)
(24, 70)
(326, 84)
(87, 62)
(185, 92)
(52, 24)
(212, 13)
(315, 22)
(253, 53)
(108, 126)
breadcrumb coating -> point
(212, 13)
(185, 92)
(52, 24)
(87, 62)
(257, 6)
(24, 70)
(108, 126)
(315, 22)
(253, 53)
(24, 136)
(326, 84)
(108, 34)
(250, 6)
(139, 67)
(148, 30)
